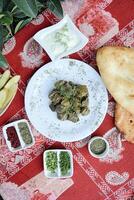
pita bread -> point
(116, 66)
(124, 121)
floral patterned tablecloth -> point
(104, 22)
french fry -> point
(12, 81)
(3, 95)
(4, 78)
(10, 94)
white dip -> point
(62, 40)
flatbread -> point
(124, 121)
(116, 66)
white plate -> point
(37, 101)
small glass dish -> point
(13, 130)
(61, 39)
(56, 166)
(96, 143)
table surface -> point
(104, 22)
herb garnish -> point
(65, 164)
(51, 161)
(98, 146)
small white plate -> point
(37, 101)
(102, 155)
(15, 125)
(59, 44)
(58, 174)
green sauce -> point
(98, 146)
(25, 133)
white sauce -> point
(62, 40)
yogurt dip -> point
(61, 39)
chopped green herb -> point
(98, 146)
(65, 163)
(51, 161)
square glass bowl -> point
(58, 163)
(14, 135)
(61, 39)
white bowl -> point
(58, 174)
(72, 39)
(102, 155)
(23, 145)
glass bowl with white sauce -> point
(61, 39)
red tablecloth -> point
(105, 22)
